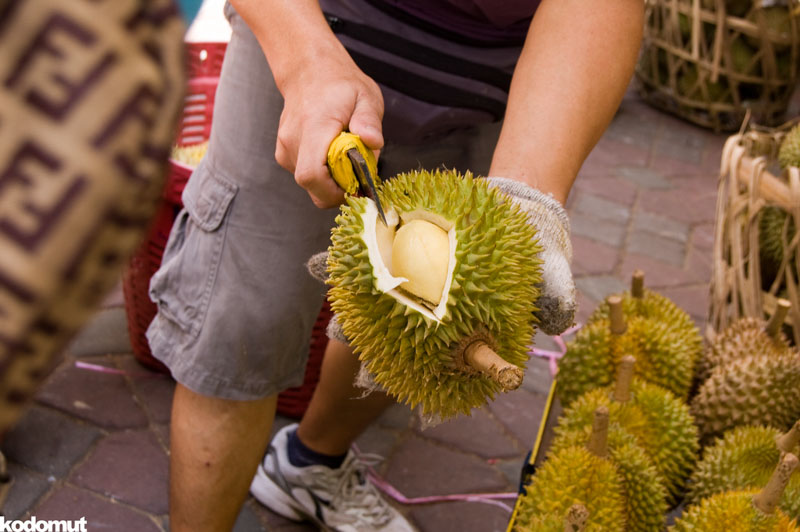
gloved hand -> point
(557, 300)
(317, 266)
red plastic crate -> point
(195, 128)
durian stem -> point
(617, 320)
(622, 387)
(776, 321)
(768, 498)
(577, 518)
(787, 442)
(637, 284)
(481, 357)
(598, 441)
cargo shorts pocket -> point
(182, 286)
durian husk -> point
(568, 477)
(744, 337)
(645, 495)
(493, 290)
(662, 337)
(658, 420)
(789, 151)
(743, 458)
(759, 389)
(732, 511)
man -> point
(425, 84)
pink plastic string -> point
(554, 356)
(113, 371)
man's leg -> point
(215, 446)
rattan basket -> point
(710, 61)
(750, 184)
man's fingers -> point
(312, 170)
(366, 122)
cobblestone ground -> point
(95, 444)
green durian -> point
(656, 418)
(746, 336)
(663, 338)
(778, 26)
(414, 348)
(575, 520)
(751, 390)
(692, 86)
(743, 511)
(742, 58)
(771, 225)
(789, 151)
(645, 495)
(744, 458)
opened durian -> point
(645, 494)
(447, 286)
(663, 338)
(743, 511)
(743, 458)
(659, 421)
(746, 336)
(752, 390)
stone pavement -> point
(95, 443)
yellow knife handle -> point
(339, 164)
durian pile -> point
(437, 303)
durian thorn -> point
(776, 321)
(598, 440)
(787, 442)
(637, 284)
(617, 320)
(577, 518)
(622, 386)
(478, 355)
(768, 498)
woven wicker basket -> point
(742, 284)
(709, 61)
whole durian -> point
(645, 495)
(745, 336)
(663, 338)
(743, 458)
(575, 520)
(421, 351)
(772, 223)
(659, 421)
(789, 152)
(743, 511)
(751, 390)
(777, 26)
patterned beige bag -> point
(89, 97)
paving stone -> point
(643, 177)
(685, 144)
(378, 440)
(586, 304)
(703, 238)
(106, 332)
(48, 442)
(601, 208)
(27, 488)
(693, 299)
(486, 435)
(658, 274)
(610, 188)
(691, 202)
(592, 257)
(248, 521)
(153, 390)
(461, 516)
(667, 227)
(162, 433)
(421, 468)
(598, 287)
(277, 523)
(537, 375)
(700, 264)
(512, 469)
(102, 398)
(658, 247)
(603, 231)
(521, 413)
(609, 152)
(397, 416)
(627, 127)
(116, 469)
(71, 503)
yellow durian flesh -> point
(421, 254)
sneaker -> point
(339, 500)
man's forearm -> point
(573, 72)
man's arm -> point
(324, 91)
(573, 72)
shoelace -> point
(354, 487)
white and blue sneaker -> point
(339, 500)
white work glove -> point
(556, 302)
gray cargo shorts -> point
(236, 305)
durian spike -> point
(598, 441)
(478, 355)
(618, 325)
(776, 321)
(787, 442)
(768, 498)
(577, 518)
(622, 386)
(637, 284)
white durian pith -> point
(408, 344)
